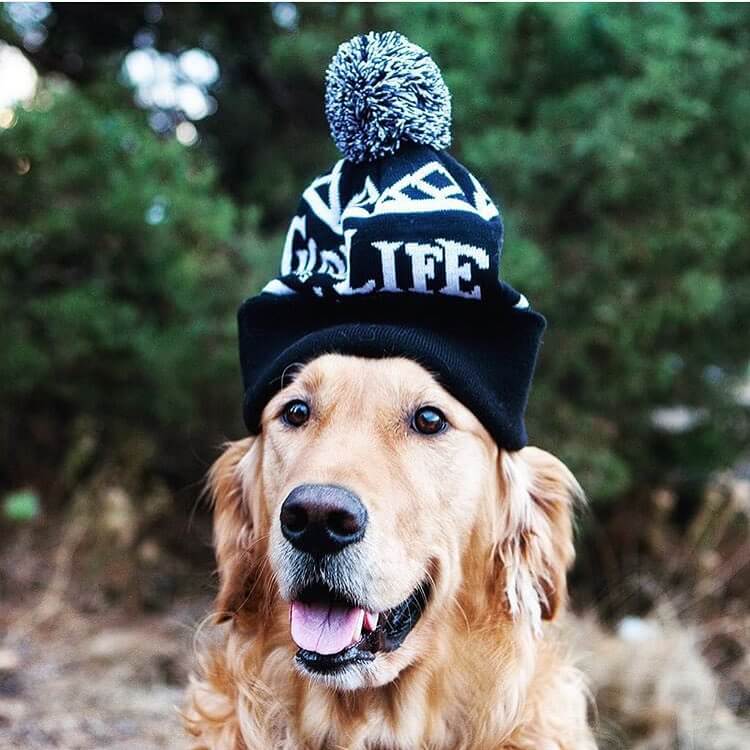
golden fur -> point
(483, 668)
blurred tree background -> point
(147, 183)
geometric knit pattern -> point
(416, 221)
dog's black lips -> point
(393, 627)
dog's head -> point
(373, 508)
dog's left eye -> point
(296, 413)
(429, 420)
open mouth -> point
(333, 633)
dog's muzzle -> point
(332, 630)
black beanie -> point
(395, 251)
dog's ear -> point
(535, 542)
(233, 484)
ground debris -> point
(85, 683)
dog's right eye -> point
(429, 420)
(296, 413)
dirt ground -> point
(84, 683)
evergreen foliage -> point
(120, 274)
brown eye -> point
(429, 421)
(296, 413)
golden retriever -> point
(387, 573)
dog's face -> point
(374, 498)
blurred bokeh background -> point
(150, 158)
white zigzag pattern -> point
(395, 200)
(324, 199)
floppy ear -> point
(535, 547)
(233, 483)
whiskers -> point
(264, 575)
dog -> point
(387, 577)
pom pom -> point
(381, 90)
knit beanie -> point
(395, 252)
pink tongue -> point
(325, 629)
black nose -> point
(322, 519)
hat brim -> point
(483, 353)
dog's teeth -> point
(371, 620)
(358, 627)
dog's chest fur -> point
(465, 704)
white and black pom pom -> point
(381, 90)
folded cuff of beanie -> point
(483, 354)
